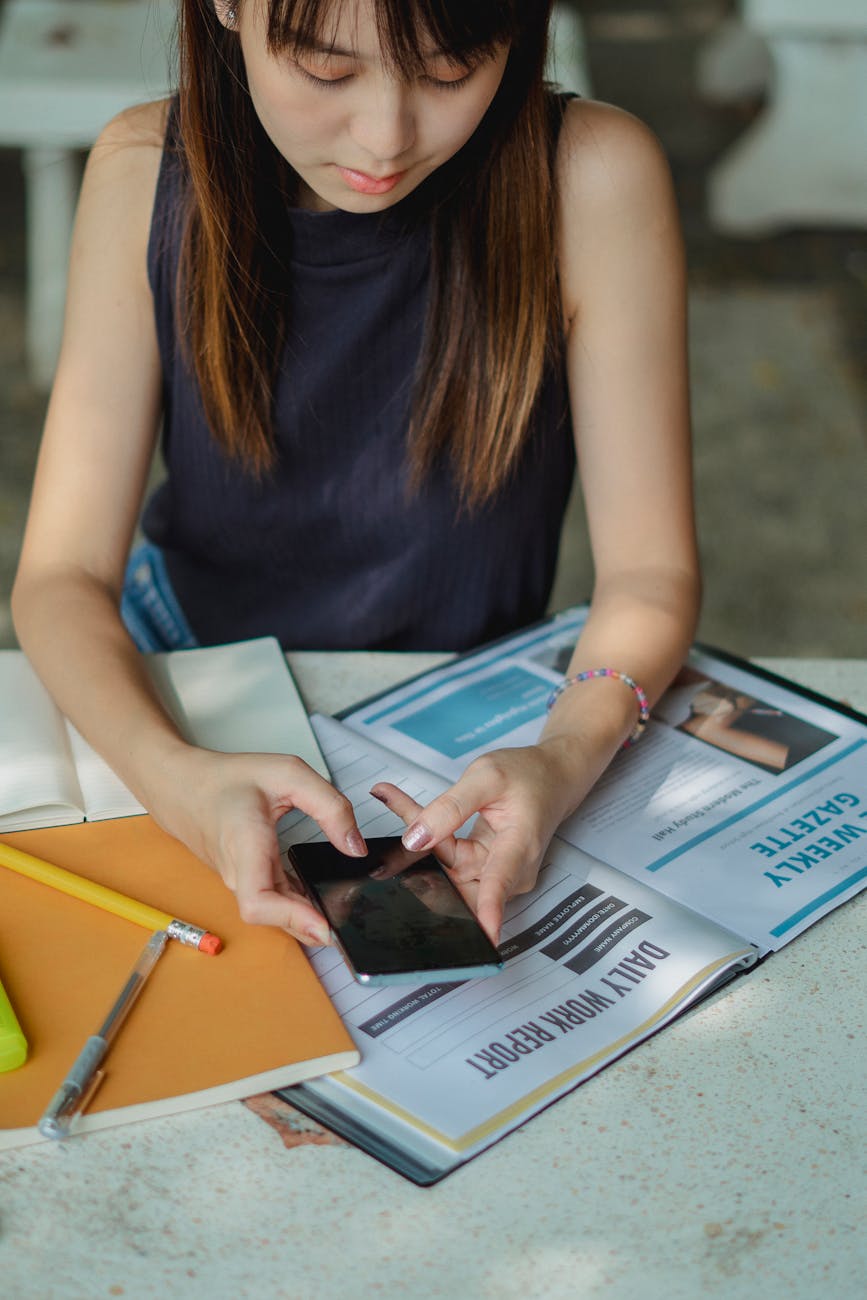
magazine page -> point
(595, 962)
(748, 803)
(745, 800)
(497, 696)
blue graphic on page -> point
(479, 713)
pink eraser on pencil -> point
(211, 944)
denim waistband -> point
(149, 607)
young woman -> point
(379, 286)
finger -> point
(253, 861)
(408, 809)
(285, 881)
(396, 800)
(493, 892)
(448, 812)
(316, 797)
(289, 912)
(473, 852)
(470, 861)
(393, 860)
(511, 869)
(465, 857)
(469, 891)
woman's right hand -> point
(225, 807)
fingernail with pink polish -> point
(417, 837)
(355, 843)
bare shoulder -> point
(141, 128)
(608, 159)
(125, 158)
(617, 211)
(117, 193)
(108, 257)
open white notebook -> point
(239, 697)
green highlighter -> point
(13, 1044)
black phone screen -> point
(394, 912)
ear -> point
(227, 13)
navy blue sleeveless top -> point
(328, 551)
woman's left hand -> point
(518, 797)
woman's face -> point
(359, 137)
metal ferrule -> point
(191, 935)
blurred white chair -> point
(804, 159)
(567, 59)
(65, 69)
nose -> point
(383, 125)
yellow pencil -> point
(108, 899)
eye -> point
(325, 83)
(442, 83)
(445, 74)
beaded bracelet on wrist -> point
(643, 707)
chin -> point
(363, 203)
(327, 199)
(371, 202)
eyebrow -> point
(314, 46)
(322, 47)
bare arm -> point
(623, 288)
(716, 728)
(97, 447)
(624, 301)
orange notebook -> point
(204, 1030)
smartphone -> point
(395, 915)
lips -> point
(363, 183)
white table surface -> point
(724, 1158)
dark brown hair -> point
(493, 318)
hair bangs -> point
(409, 31)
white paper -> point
(38, 783)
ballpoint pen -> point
(83, 1079)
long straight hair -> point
(493, 321)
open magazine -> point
(739, 820)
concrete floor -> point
(778, 333)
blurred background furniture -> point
(804, 160)
(567, 59)
(66, 68)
